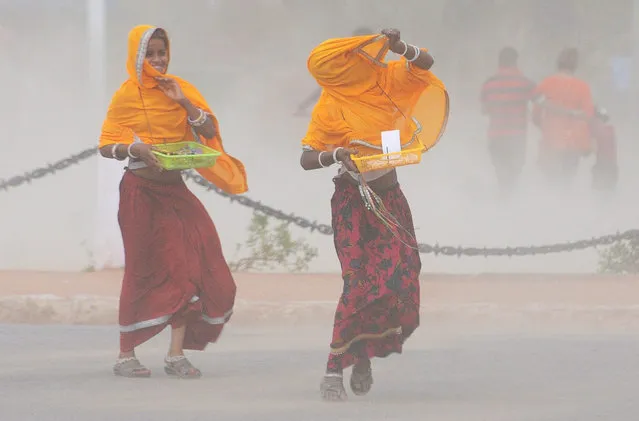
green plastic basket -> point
(176, 156)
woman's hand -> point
(343, 155)
(394, 40)
(418, 57)
(145, 153)
(171, 89)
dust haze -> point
(252, 69)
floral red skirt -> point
(379, 306)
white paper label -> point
(391, 143)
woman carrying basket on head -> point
(175, 273)
(363, 96)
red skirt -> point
(175, 272)
(379, 306)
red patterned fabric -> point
(379, 306)
(175, 272)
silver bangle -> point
(114, 150)
(319, 160)
(405, 47)
(335, 153)
(416, 56)
(128, 152)
(199, 120)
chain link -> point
(426, 248)
(604, 240)
(50, 169)
(258, 206)
(315, 226)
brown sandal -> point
(361, 380)
(181, 368)
(130, 367)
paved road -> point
(63, 373)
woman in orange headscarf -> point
(175, 273)
(362, 95)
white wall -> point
(253, 73)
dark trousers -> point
(508, 155)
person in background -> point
(605, 171)
(563, 109)
(175, 273)
(362, 96)
(505, 99)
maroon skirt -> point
(379, 306)
(175, 272)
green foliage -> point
(90, 267)
(620, 258)
(269, 248)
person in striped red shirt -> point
(505, 99)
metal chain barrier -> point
(313, 226)
(50, 169)
(258, 206)
(425, 248)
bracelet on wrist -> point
(200, 120)
(335, 154)
(416, 56)
(405, 47)
(129, 153)
(319, 159)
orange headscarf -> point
(363, 95)
(140, 110)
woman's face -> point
(157, 55)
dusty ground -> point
(538, 301)
(62, 373)
(493, 348)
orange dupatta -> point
(140, 111)
(362, 95)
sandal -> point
(181, 368)
(332, 388)
(361, 380)
(130, 367)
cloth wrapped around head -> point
(140, 111)
(364, 95)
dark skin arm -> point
(172, 89)
(309, 159)
(139, 150)
(424, 61)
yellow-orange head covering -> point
(138, 68)
(140, 111)
(347, 66)
(364, 95)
